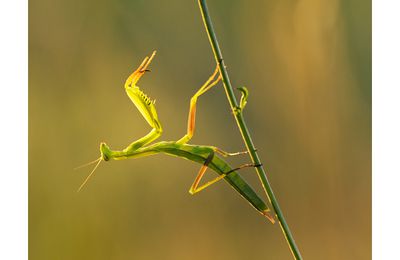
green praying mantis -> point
(208, 156)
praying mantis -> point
(208, 156)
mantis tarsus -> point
(205, 155)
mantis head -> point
(105, 155)
(105, 152)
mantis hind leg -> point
(226, 154)
(195, 186)
(193, 102)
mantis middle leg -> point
(193, 102)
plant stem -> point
(244, 130)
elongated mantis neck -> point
(244, 130)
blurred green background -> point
(307, 65)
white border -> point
(14, 141)
(14, 129)
(386, 129)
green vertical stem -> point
(244, 131)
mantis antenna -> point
(86, 164)
(91, 173)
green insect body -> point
(205, 155)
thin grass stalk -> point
(237, 112)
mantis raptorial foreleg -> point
(193, 102)
(150, 137)
(144, 105)
(135, 76)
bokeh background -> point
(307, 65)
